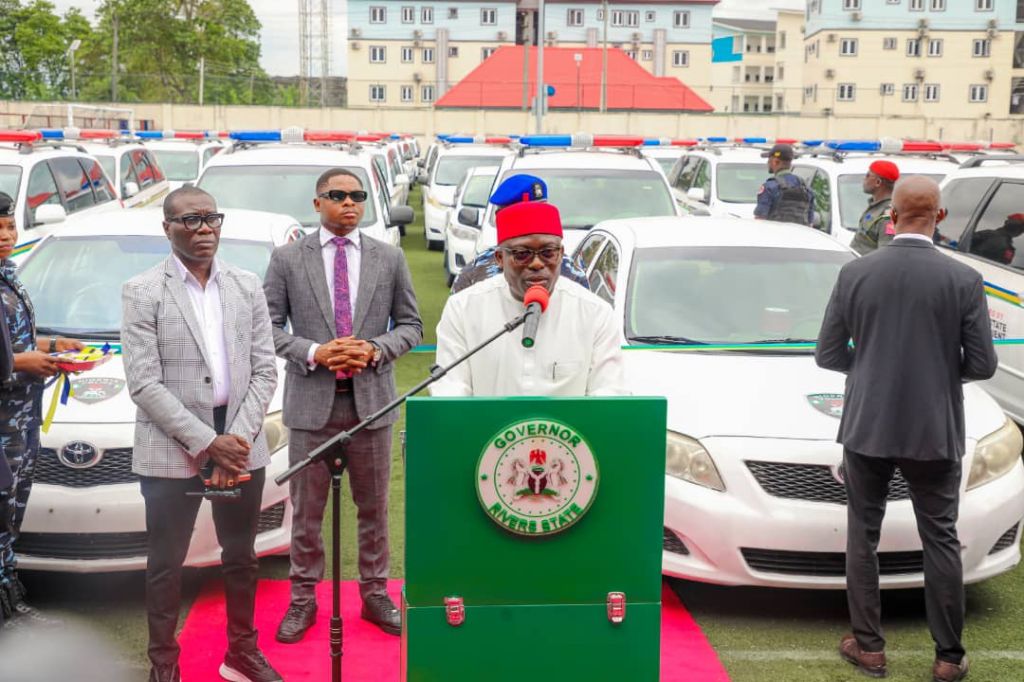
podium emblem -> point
(537, 477)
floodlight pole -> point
(75, 44)
(604, 58)
(539, 100)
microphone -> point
(536, 302)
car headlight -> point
(995, 455)
(462, 232)
(686, 459)
(275, 431)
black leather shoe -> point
(248, 666)
(298, 619)
(164, 673)
(382, 612)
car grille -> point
(1005, 540)
(813, 482)
(271, 518)
(114, 468)
(81, 545)
(827, 564)
(670, 542)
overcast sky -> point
(280, 51)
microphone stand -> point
(333, 454)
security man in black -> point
(784, 197)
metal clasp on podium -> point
(616, 607)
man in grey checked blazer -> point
(199, 363)
(343, 310)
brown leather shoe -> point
(870, 663)
(944, 671)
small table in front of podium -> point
(533, 604)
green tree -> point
(34, 41)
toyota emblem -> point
(79, 455)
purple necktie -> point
(342, 299)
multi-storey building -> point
(409, 53)
(913, 57)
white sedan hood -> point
(761, 396)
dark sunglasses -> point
(549, 255)
(358, 196)
(193, 221)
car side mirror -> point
(401, 215)
(469, 216)
(697, 194)
(50, 214)
(401, 179)
(129, 190)
(422, 177)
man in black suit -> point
(920, 328)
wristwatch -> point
(53, 344)
(377, 353)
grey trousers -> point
(369, 471)
(935, 494)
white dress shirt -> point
(206, 306)
(577, 352)
(913, 235)
(328, 249)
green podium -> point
(533, 539)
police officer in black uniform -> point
(784, 197)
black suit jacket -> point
(920, 328)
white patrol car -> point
(53, 183)
(720, 178)
(182, 155)
(87, 513)
(590, 178)
(276, 171)
(985, 230)
(753, 492)
(463, 225)
(835, 170)
(134, 170)
(454, 156)
(666, 151)
(387, 158)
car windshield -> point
(730, 295)
(738, 182)
(586, 197)
(478, 191)
(277, 189)
(75, 282)
(451, 169)
(178, 164)
(10, 180)
(666, 162)
(853, 201)
(109, 164)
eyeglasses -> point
(358, 196)
(549, 255)
(193, 221)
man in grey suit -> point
(920, 328)
(343, 310)
(199, 363)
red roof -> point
(497, 83)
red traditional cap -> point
(887, 170)
(528, 217)
(1015, 218)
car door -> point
(152, 182)
(684, 180)
(41, 189)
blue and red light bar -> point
(300, 135)
(581, 140)
(81, 134)
(668, 142)
(477, 139)
(177, 135)
(20, 136)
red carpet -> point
(371, 655)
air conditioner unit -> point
(356, 32)
(637, 36)
(922, 26)
(857, 16)
(355, 44)
(502, 35)
(417, 77)
(919, 74)
(990, 75)
(552, 35)
(993, 23)
(417, 33)
(417, 42)
(830, 73)
(830, 38)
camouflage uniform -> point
(875, 229)
(20, 418)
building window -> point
(913, 47)
(681, 58)
(408, 15)
(629, 18)
(631, 54)
(982, 48)
(487, 52)
(406, 93)
(650, 17)
(978, 93)
(984, 5)
(600, 14)
(426, 15)
(378, 93)
(453, 51)
(378, 54)
(488, 16)
(845, 93)
(889, 43)
(647, 55)
(935, 47)
(427, 93)
(851, 4)
(887, 89)
(782, 72)
(575, 17)
(938, 6)
(378, 15)
(910, 92)
(453, 12)
(407, 55)
(428, 55)
(781, 40)
(931, 92)
(916, 5)
(681, 19)
(848, 47)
